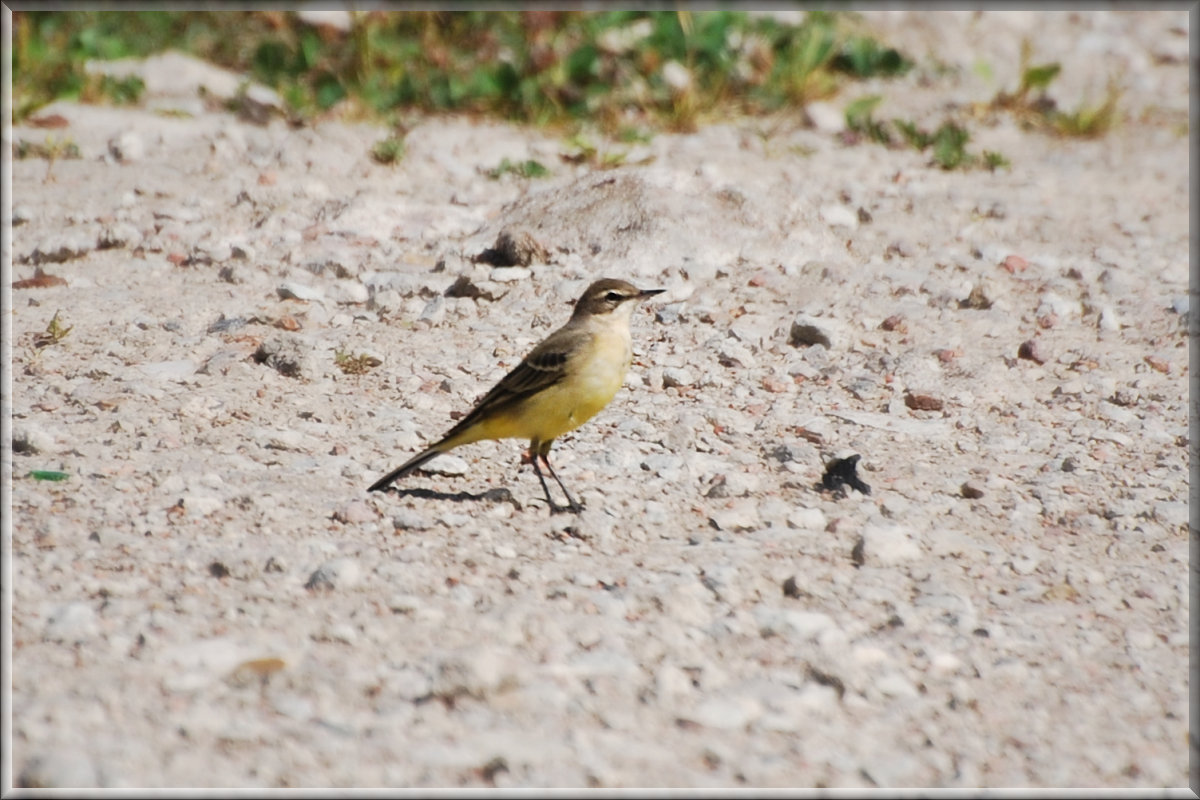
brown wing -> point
(542, 368)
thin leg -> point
(575, 507)
(554, 508)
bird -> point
(561, 384)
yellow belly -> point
(561, 408)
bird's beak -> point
(649, 293)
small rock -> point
(30, 439)
(1109, 321)
(1052, 303)
(732, 354)
(119, 234)
(291, 290)
(923, 402)
(839, 216)
(677, 76)
(741, 516)
(1025, 565)
(513, 249)
(1014, 264)
(1172, 513)
(825, 117)
(59, 768)
(1181, 304)
(889, 544)
(808, 330)
(71, 623)
(287, 354)
(775, 384)
(340, 573)
(408, 519)
(789, 452)
(677, 376)
(1029, 350)
(351, 292)
(64, 247)
(977, 299)
(434, 311)
(128, 146)
(808, 519)
(971, 490)
(727, 713)
(446, 464)
(477, 672)
(169, 370)
(509, 274)
(843, 472)
(1159, 364)
(356, 512)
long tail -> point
(408, 466)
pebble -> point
(355, 512)
(127, 147)
(64, 247)
(727, 713)
(71, 623)
(410, 519)
(887, 545)
(1052, 303)
(350, 292)
(291, 290)
(447, 464)
(169, 370)
(809, 519)
(676, 376)
(791, 622)
(807, 330)
(340, 573)
(740, 516)
(288, 354)
(30, 439)
(825, 117)
(839, 216)
(1173, 513)
(894, 684)
(509, 274)
(434, 311)
(478, 672)
(63, 767)
(733, 354)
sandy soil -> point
(210, 598)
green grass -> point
(608, 68)
(947, 144)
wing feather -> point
(542, 368)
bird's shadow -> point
(498, 495)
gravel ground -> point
(211, 598)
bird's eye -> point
(613, 297)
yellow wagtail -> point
(560, 385)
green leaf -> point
(1039, 77)
(858, 113)
(949, 146)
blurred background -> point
(621, 70)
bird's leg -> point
(554, 507)
(544, 454)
